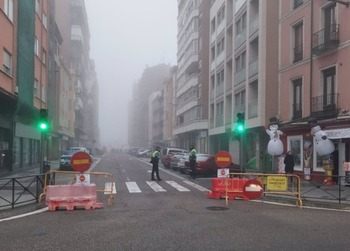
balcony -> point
(325, 105)
(325, 39)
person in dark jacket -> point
(155, 161)
(289, 164)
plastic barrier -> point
(72, 189)
(72, 196)
(227, 188)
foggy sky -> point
(126, 36)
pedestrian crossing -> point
(168, 185)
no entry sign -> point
(223, 159)
(81, 161)
(253, 189)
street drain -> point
(214, 208)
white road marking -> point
(200, 188)
(178, 186)
(133, 187)
(108, 188)
(24, 215)
(154, 185)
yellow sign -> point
(277, 183)
(81, 161)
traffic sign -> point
(223, 159)
(223, 173)
(81, 161)
(253, 189)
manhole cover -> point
(217, 208)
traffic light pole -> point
(241, 155)
(41, 152)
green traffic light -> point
(43, 126)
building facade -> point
(313, 72)
(191, 91)
(243, 78)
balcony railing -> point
(325, 39)
(325, 105)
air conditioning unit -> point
(16, 89)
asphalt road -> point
(179, 218)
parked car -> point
(175, 158)
(67, 156)
(167, 154)
(143, 153)
(181, 163)
(205, 165)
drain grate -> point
(215, 208)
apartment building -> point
(8, 86)
(161, 113)
(313, 73)
(75, 50)
(151, 81)
(191, 91)
(243, 77)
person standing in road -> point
(155, 161)
(193, 159)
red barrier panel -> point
(71, 196)
(235, 188)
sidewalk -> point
(28, 171)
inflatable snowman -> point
(323, 145)
(275, 145)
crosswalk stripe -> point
(133, 187)
(154, 185)
(178, 186)
(200, 188)
(108, 188)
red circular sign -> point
(253, 189)
(223, 159)
(81, 161)
(223, 172)
(82, 178)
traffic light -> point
(240, 126)
(43, 121)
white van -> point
(166, 155)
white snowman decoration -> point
(275, 145)
(323, 145)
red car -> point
(205, 165)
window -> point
(45, 20)
(221, 46)
(43, 56)
(329, 88)
(240, 62)
(298, 42)
(295, 146)
(330, 24)
(8, 9)
(297, 3)
(241, 24)
(221, 15)
(37, 6)
(297, 98)
(7, 65)
(36, 84)
(36, 46)
(240, 99)
(213, 25)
